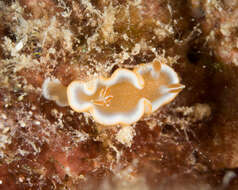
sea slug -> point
(124, 97)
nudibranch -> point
(53, 90)
(127, 95)
(122, 98)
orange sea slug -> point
(126, 95)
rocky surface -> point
(188, 144)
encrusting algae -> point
(124, 97)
